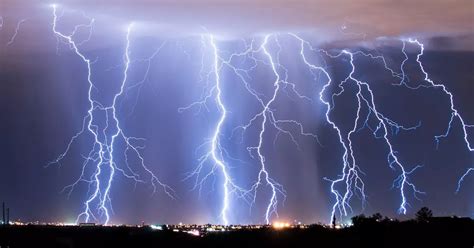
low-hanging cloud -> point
(371, 17)
(328, 19)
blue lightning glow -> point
(272, 205)
(461, 180)
(102, 157)
(216, 151)
(351, 172)
(215, 138)
(102, 153)
(454, 112)
(403, 179)
(139, 84)
(266, 115)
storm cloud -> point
(330, 20)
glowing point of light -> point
(194, 232)
(280, 225)
(155, 227)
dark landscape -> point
(373, 231)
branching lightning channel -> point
(15, 32)
(350, 172)
(263, 119)
(102, 155)
(351, 175)
(455, 115)
(101, 163)
(269, 119)
(215, 154)
(402, 181)
(263, 174)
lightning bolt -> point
(139, 84)
(102, 157)
(461, 179)
(215, 154)
(268, 116)
(351, 172)
(15, 33)
(455, 115)
(102, 153)
(263, 119)
(403, 179)
(263, 174)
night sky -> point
(44, 99)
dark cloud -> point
(340, 19)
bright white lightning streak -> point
(216, 151)
(454, 112)
(403, 180)
(215, 138)
(87, 212)
(15, 33)
(350, 172)
(119, 130)
(266, 114)
(272, 205)
(102, 152)
(461, 179)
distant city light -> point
(281, 225)
(155, 227)
(194, 232)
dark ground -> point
(438, 232)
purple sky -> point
(43, 98)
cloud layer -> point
(329, 20)
(373, 18)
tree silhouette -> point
(424, 214)
(358, 219)
(377, 217)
